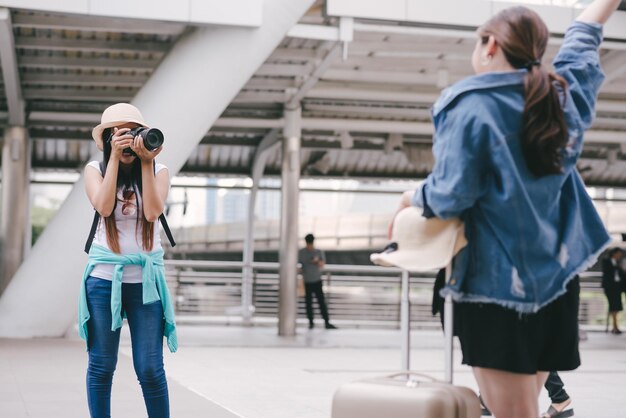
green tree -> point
(39, 219)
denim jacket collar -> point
(482, 81)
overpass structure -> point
(335, 88)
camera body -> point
(152, 138)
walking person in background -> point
(506, 144)
(312, 262)
(125, 276)
(612, 283)
(559, 398)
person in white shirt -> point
(124, 276)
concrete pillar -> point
(15, 214)
(213, 62)
(288, 252)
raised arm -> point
(599, 11)
(578, 61)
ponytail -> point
(523, 37)
(544, 131)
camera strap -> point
(96, 219)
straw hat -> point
(115, 115)
(422, 244)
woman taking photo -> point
(125, 276)
(506, 144)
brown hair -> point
(523, 37)
(133, 180)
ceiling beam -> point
(291, 70)
(269, 83)
(333, 52)
(458, 33)
(388, 77)
(81, 79)
(319, 32)
(10, 71)
(85, 135)
(352, 110)
(86, 94)
(95, 24)
(245, 13)
(88, 63)
(252, 96)
(327, 90)
(91, 45)
(294, 54)
(462, 49)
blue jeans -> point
(146, 330)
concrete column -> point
(15, 215)
(288, 252)
(210, 61)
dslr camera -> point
(152, 138)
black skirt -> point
(614, 297)
(495, 337)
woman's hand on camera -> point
(120, 141)
(142, 152)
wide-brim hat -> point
(422, 244)
(115, 115)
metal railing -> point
(360, 230)
(357, 296)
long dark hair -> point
(523, 37)
(128, 180)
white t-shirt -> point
(129, 233)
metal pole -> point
(15, 202)
(288, 253)
(247, 279)
(247, 307)
(405, 322)
(448, 330)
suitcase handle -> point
(409, 374)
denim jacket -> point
(527, 236)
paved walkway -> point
(45, 378)
(227, 372)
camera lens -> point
(152, 138)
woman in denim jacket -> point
(506, 145)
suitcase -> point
(408, 394)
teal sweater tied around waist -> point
(154, 289)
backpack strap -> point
(96, 219)
(164, 224)
(92, 232)
(166, 228)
